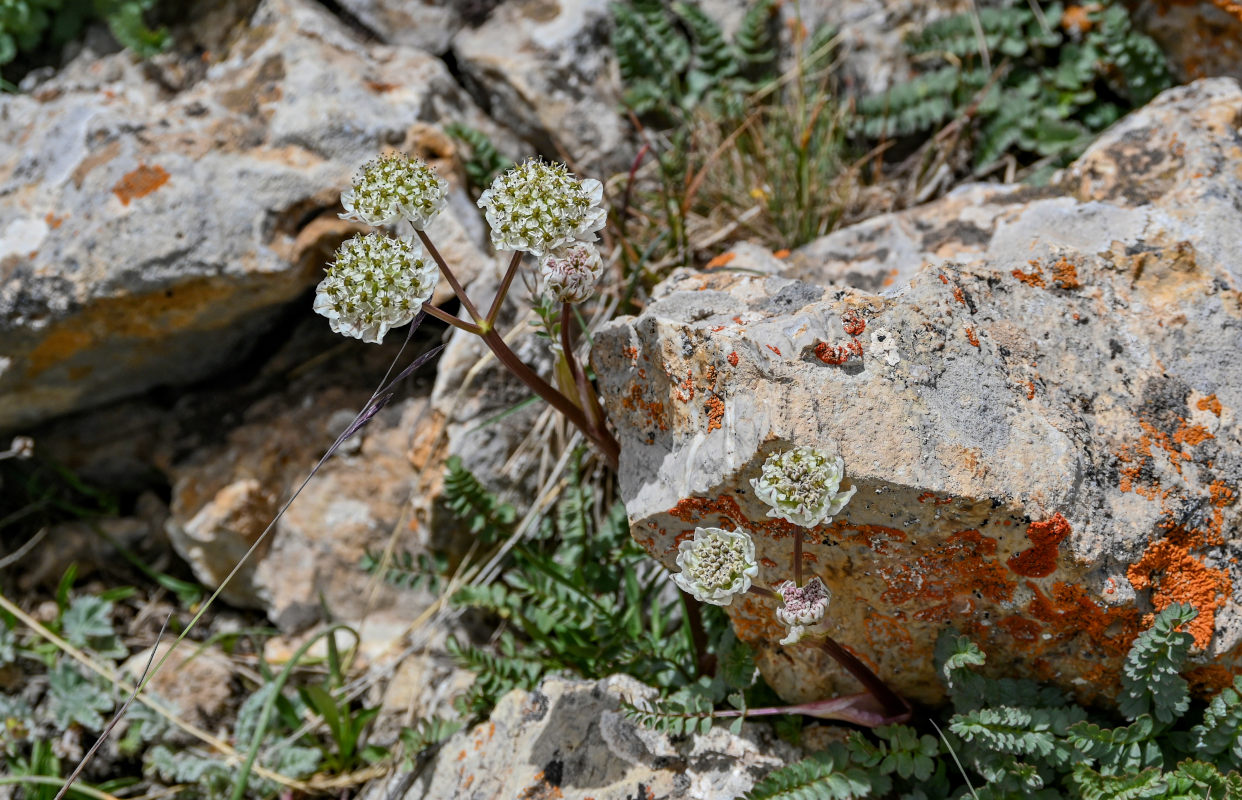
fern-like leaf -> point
(1150, 679)
(826, 775)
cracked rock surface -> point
(1040, 410)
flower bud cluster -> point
(803, 607)
(801, 486)
(375, 284)
(570, 273)
(392, 188)
(538, 207)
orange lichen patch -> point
(776, 350)
(1207, 680)
(1209, 403)
(139, 183)
(652, 409)
(1176, 576)
(54, 221)
(694, 510)
(972, 337)
(1019, 628)
(632, 354)
(1030, 390)
(720, 260)
(1040, 560)
(715, 410)
(959, 295)
(1221, 494)
(1065, 274)
(837, 354)
(938, 501)
(684, 391)
(810, 557)
(879, 539)
(943, 279)
(891, 277)
(1191, 435)
(963, 564)
(782, 253)
(853, 323)
(379, 87)
(1030, 278)
(1067, 612)
(767, 562)
(754, 619)
(732, 359)
(541, 789)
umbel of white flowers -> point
(716, 565)
(803, 607)
(538, 208)
(570, 273)
(801, 486)
(392, 188)
(376, 283)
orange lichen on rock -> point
(721, 260)
(139, 183)
(1040, 560)
(1191, 435)
(54, 221)
(853, 323)
(1210, 403)
(732, 359)
(782, 253)
(959, 295)
(1030, 278)
(715, 409)
(776, 350)
(1207, 680)
(653, 409)
(632, 354)
(1065, 275)
(684, 391)
(1174, 575)
(964, 564)
(1067, 611)
(1030, 390)
(972, 337)
(1019, 628)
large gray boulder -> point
(1036, 395)
(150, 233)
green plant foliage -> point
(427, 734)
(579, 596)
(26, 25)
(1022, 743)
(87, 623)
(484, 162)
(407, 571)
(75, 699)
(674, 58)
(1045, 93)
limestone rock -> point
(426, 25)
(569, 739)
(1040, 414)
(544, 70)
(149, 235)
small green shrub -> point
(1036, 86)
(1015, 739)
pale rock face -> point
(148, 239)
(544, 68)
(1039, 408)
(570, 738)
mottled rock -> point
(1202, 38)
(198, 684)
(426, 25)
(569, 739)
(148, 236)
(544, 70)
(1040, 413)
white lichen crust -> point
(538, 207)
(801, 486)
(375, 284)
(716, 565)
(803, 607)
(392, 188)
(570, 273)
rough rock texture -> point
(1044, 432)
(1202, 39)
(426, 24)
(544, 70)
(568, 739)
(148, 235)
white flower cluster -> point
(803, 606)
(716, 564)
(539, 207)
(570, 273)
(801, 486)
(375, 284)
(392, 188)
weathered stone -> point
(199, 685)
(544, 70)
(426, 25)
(570, 739)
(1043, 431)
(148, 239)
(1202, 39)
